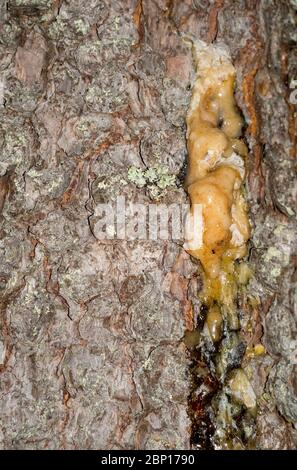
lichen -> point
(57, 27)
(81, 26)
(111, 181)
(156, 179)
(42, 3)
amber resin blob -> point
(215, 177)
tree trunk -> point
(93, 101)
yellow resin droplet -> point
(241, 389)
(257, 350)
(214, 322)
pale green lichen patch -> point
(114, 180)
(160, 176)
(13, 149)
(107, 95)
(15, 140)
(136, 176)
(279, 256)
(81, 26)
(276, 271)
(118, 37)
(39, 3)
(57, 28)
(90, 53)
(157, 179)
(273, 252)
(91, 47)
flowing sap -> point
(215, 178)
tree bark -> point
(91, 349)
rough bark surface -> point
(91, 350)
